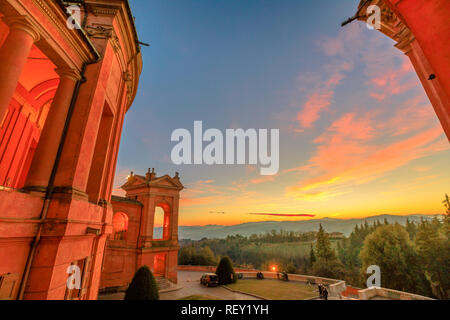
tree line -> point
(247, 252)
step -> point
(163, 283)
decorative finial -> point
(177, 175)
(151, 174)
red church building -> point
(64, 92)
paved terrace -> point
(189, 284)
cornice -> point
(391, 25)
(59, 20)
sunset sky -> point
(358, 135)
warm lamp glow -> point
(274, 268)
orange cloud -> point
(263, 179)
(187, 201)
(349, 153)
(317, 102)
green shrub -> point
(225, 272)
(143, 286)
(290, 268)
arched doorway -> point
(159, 264)
(120, 226)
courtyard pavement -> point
(189, 281)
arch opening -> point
(120, 226)
(161, 222)
(22, 124)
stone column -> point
(13, 56)
(79, 147)
(45, 155)
(175, 212)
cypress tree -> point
(411, 228)
(323, 246)
(143, 286)
(225, 271)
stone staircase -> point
(163, 283)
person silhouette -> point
(325, 293)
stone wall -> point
(369, 293)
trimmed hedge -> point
(143, 286)
(225, 272)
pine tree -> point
(327, 265)
(323, 246)
(366, 226)
(446, 203)
(143, 286)
(434, 251)
(411, 229)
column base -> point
(34, 190)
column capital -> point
(23, 23)
(69, 73)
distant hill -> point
(344, 226)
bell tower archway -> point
(156, 240)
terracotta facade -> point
(64, 93)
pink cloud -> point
(392, 81)
(321, 96)
(388, 72)
(317, 102)
(263, 179)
